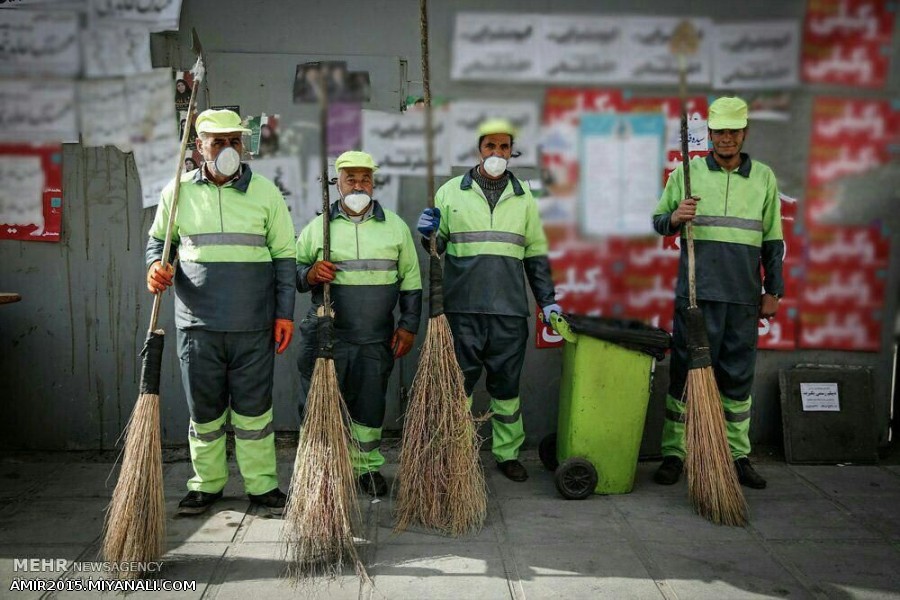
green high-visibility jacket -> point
(490, 251)
(377, 268)
(235, 246)
(737, 230)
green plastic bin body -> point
(604, 393)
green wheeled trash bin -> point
(606, 380)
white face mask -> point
(357, 201)
(227, 162)
(494, 166)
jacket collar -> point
(240, 182)
(336, 210)
(743, 170)
(466, 183)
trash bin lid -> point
(627, 333)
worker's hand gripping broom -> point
(322, 507)
(713, 486)
(135, 528)
(440, 482)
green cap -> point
(219, 121)
(728, 112)
(355, 159)
(492, 126)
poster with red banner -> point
(31, 200)
(847, 42)
(842, 295)
(849, 137)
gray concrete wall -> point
(68, 351)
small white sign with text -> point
(820, 397)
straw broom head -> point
(322, 507)
(713, 486)
(440, 482)
(135, 528)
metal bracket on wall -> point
(404, 87)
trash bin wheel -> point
(547, 452)
(576, 478)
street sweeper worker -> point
(373, 269)
(736, 214)
(488, 224)
(234, 308)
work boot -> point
(669, 471)
(513, 469)
(197, 503)
(372, 483)
(273, 501)
(747, 475)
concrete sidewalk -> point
(816, 532)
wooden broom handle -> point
(167, 245)
(429, 124)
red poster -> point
(31, 181)
(847, 42)
(841, 329)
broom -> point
(135, 527)
(322, 503)
(440, 479)
(713, 486)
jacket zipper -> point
(357, 240)
(221, 217)
(727, 185)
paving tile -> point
(188, 566)
(18, 477)
(538, 485)
(9, 570)
(846, 569)
(670, 518)
(583, 570)
(789, 517)
(851, 480)
(539, 521)
(447, 571)
(382, 517)
(258, 568)
(81, 480)
(218, 524)
(58, 521)
(879, 512)
(716, 570)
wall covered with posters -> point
(70, 347)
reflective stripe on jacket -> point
(377, 267)
(737, 230)
(485, 248)
(235, 245)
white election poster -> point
(113, 49)
(156, 165)
(581, 48)
(103, 111)
(36, 43)
(285, 174)
(648, 58)
(397, 142)
(36, 111)
(496, 46)
(467, 115)
(762, 54)
(612, 201)
(21, 191)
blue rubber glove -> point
(549, 310)
(429, 221)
